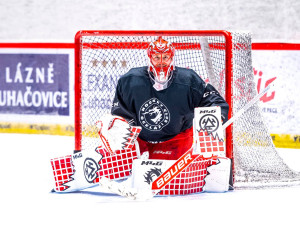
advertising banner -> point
(37, 90)
(34, 84)
(280, 107)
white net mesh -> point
(104, 58)
(257, 163)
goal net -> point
(219, 57)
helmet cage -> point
(162, 73)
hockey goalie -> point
(156, 104)
(161, 98)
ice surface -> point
(26, 181)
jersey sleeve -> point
(211, 97)
(119, 108)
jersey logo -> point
(154, 115)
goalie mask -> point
(161, 62)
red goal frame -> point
(228, 70)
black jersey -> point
(163, 114)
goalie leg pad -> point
(76, 172)
(218, 175)
(84, 169)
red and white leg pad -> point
(203, 174)
(112, 160)
(84, 169)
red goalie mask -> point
(161, 62)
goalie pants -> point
(168, 150)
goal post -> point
(219, 57)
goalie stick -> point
(185, 160)
(248, 105)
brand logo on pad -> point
(90, 168)
(185, 160)
(209, 123)
(152, 174)
(154, 115)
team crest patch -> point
(154, 115)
